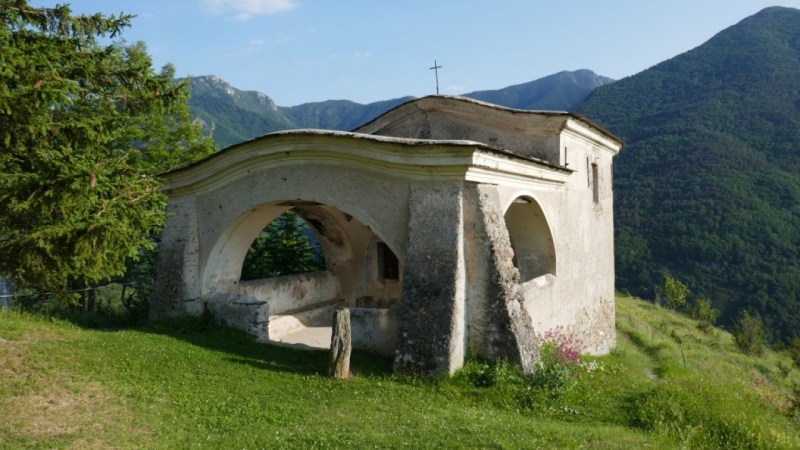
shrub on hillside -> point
(749, 334)
(706, 314)
(675, 293)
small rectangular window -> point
(595, 184)
(388, 264)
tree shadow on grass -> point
(315, 362)
(241, 347)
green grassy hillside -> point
(191, 385)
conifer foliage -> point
(282, 249)
(84, 127)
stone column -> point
(431, 314)
(499, 325)
(177, 287)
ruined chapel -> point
(450, 227)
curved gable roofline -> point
(315, 133)
(403, 155)
(476, 109)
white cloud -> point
(362, 54)
(246, 9)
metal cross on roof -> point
(435, 69)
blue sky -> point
(299, 51)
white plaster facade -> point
(501, 221)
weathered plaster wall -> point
(207, 259)
(374, 330)
(523, 132)
(373, 290)
(579, 298)
(574, 289)
(292, 292)
(362, 195)
(242, 312)
(177, 287)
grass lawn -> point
(189, 385)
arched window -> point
(534, 251)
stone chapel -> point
(449, 227)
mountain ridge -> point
(562, 91)
(231, 115)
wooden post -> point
(340, 344)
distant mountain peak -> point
(562, 91)
(213, 80)
(218, 84)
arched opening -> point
(531, 240)
(305, 259)
(286, 246)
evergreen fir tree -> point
(84, 127)
(281, 249)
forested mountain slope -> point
(230, 115)
(708, 187)
(338, 114)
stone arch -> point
(531, 238)
(223, 268)
(336, 230)
(300, 306)
(328, 200)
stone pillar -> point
(341, 345)
(177, 286)
(431, 314)
(499, 325)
